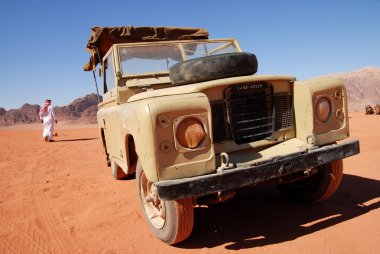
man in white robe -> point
(48, 118)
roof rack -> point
(102, 38)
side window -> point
(109, 74)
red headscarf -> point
(45, 106)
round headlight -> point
(322, 109)
(190, 133)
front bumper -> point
(255, 174)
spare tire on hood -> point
(213, 67)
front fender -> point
(308, 128)
(141, 120)
(135, 120)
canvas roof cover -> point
(102, 38)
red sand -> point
(60, 198)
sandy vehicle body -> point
(191, 118)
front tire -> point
(316, 188)
(170, 221)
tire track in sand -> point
(56, 229)
(18, 242)
(49, 232)
(22, 240)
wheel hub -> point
(154, 207)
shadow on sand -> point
(76, 139)
(261, 216)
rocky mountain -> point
(2, 111)
(82, 109)
(363, 87)
(26, 114)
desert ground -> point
(60, 197)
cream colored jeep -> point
(190, 118)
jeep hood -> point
(200, 87)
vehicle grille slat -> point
(254, 128)
(252, 120)
(251, 112)
(256, 134)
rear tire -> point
(170, 221)
(316, 188)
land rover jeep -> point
(191, 119)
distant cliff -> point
(82, 109)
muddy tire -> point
(170, 221)
(317, 187)
(117, 171)
(213, 67)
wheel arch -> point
(103, 137)
(130, 148)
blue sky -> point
(43, 42)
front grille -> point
(283, 105)
(219, 119)
(250, 112)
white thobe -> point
(48, 118)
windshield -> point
(158, 58)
